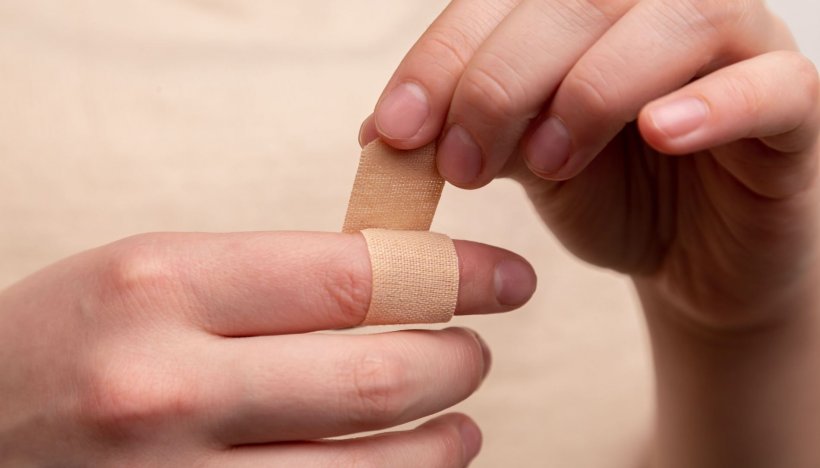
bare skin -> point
(193, 350)
(675, 141)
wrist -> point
(734, 396)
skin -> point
(195, 350)
(685, 157)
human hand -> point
(672, 140)
(555, 87)
(190, 349)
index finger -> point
(295, 282)
(412, 109)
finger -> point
(276, 283)
(654, 49)
(368, 132)
(342, 384)
(772, 97)
(510, 79)
(412, 108)
(449, 441)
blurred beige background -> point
(127, 116)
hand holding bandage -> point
(676, 142)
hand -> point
(188, 349)
(557, 86)
(672, 140)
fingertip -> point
(649, 132)
(404, 117)
(548, 148)
(550, 153)
(547, 176)
(368, 132)
(674, 125)
(492, 280)
(656, 140)
(486, 354)
(470, 434)
(515, 282)
(403, 111)
(568, 172)
(459, 158)
(471, 437)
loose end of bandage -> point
(394, 189)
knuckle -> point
(719, 16)
(136, 266)
(348, 294)
(123, 400)
(493, 91)
(585, 14)
(611, 10)
(375, 389)
(805, 72)
(747, 92)
(447, 48)
(589, 91)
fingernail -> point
(486, 355)
(549, 147)
(459, 157)
(470, 438)
(402, 113)
(367, 132)
(485, 351)
(679, 117)
(515, 282)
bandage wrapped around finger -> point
(415, 273)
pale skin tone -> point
(191, 350)
(187, 349)
(675, 141)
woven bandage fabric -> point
(394, 189)
(415, 277)
(415, 273)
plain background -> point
(121, 117)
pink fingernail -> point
(680, 117)
(402, 113)
(485, 351)
(515, 282)
(367, 132)
(549, 147)
(459, 157)
(470, 438)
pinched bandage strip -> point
(415, 272)
(394, 189)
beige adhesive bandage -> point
(394, 189)
(415, 277)
(415, 272)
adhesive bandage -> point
(415, 272)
